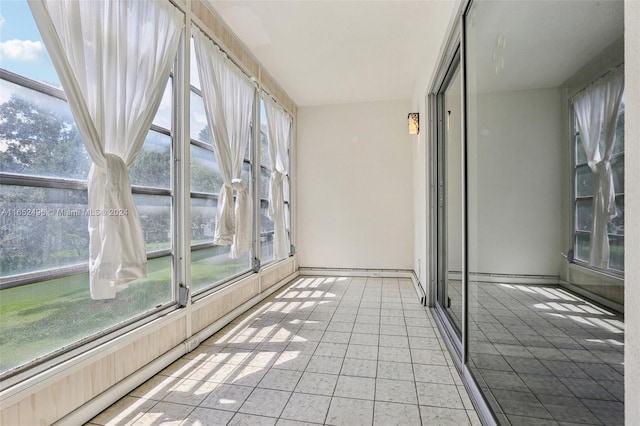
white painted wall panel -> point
(515, 182)
(355, 198)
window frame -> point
(575, 198)
(190, 141)
(288, 191)
(66, 352)
(180, 195)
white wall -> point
(632, 214)
(515, 182)
(355, 199)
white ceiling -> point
(327, 52)
(339, 51)
(532, 44)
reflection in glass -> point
(266, 233)
(616, 253)
(203, 220)
(265, 176)
(584, 181)
(581, 156)
(583, 247)
(617, 167)
(529, 338)
(584, 215)
(152, 166)
(155, 217)
(616, 225)
(205, 173)
(42, 228)
(50, 146)
(163, 116)
(63, 313)
(212, 265)
(452, 151)
(199, 127)
(194, 76)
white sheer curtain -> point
(279, 124)
(113, 58)
(597, 110)
(228, 98)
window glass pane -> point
(286, 189)
(199, 126)
(195, 77)
(616, 225)
(266, 233)
(619, 146)
(584, 181)
(152, 166)
(616, 253)
(247, 150)
(163, 116)
(24, 52)
(155, 215)
(40, 318)
(581, 156)
(42, 228)
(43, 231)
(205, 174)
(212, 265)
(203, 220)
(583, 247)
(287, 218)
(245, 175)
(584, 215)
(265, 176)
(617, 168)
(264, 147)
(38, 136)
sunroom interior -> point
(171, 169)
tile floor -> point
(545, 356)
(325, 350)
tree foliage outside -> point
(40, 141)
(43, 228)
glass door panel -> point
(450, 195)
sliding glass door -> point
(449, 196)
(527, 271)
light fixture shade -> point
(414, 123)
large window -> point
(45, 301)
(270, 221)
(584, 198)
(210, 263)
(266, 224)
(44, 241)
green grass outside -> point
(40, 318)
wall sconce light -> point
(414, 123)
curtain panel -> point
(113, 58)
(228, 98)
(279, 128)
(596, 111)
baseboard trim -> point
(373, 273)
(593, 297)
(513, 278)
(356, 272)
